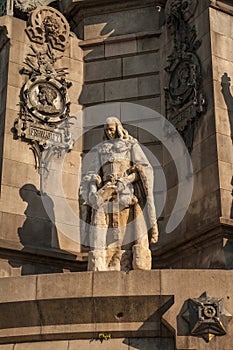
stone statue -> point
(117, 194)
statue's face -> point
(110, 130)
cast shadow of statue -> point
(38, 233)
(228, 98)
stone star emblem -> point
(206, 317)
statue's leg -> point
(141, 253)
(98, 232)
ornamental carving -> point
(185, 101)
(206, 317)
(27, 6)
(44, 117)
(48, 25)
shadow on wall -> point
(38, 232)
(226, 91)
(4, 63)
(155, 333)
(226, 84)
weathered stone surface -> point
(93, 52)
(118, 23)
(75, 68)
(204, 153)
(141, 64)
(226, 203)
(92, 93)
(75, 51)
(10, 224)
(18, 51)
(151, 344)
(102, 70)
(26, 289)
(225, 175)
(148, 86)
(121, 89)
(164, 282)
(13, 98)
(134, 113)
(68, 286)
(120, 48)
(95, 344)
(224, 143)
(96, 115)
(15, 28)
(148, 43)
(14, 78)
(17, 174)
(217, 18)
(222, 46)
(153, 103)
(57, 345)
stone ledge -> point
(118, 38)
(71, 7)
(222, 6)
(80, 305)
(167, 255)
(53, 257)
(84, 318)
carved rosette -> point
(44, 116)
(185, 101)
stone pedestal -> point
(135, 310)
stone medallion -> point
(45, 101)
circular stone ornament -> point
(45, 101)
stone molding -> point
(77, 310)
(119, 38)
(69, 8)
(167, 255)
(224, 6)
(52, 257)
(82, 305)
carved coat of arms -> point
(44, 104)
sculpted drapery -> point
(117, 194)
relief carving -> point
(44, 115)
(48, 25)
(206, 317)
(185, 101)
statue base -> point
(116, 259)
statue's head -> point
(113, 129)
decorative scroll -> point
(185, 101)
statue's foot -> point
(141, 258)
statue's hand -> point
(107, 192)
(154, 234)
(94, 200)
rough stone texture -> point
(21, 220)
(192, 283)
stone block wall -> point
(221, 38)
(25, 225)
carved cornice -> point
(72, 7)
(222, 5)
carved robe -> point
(118, 189)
